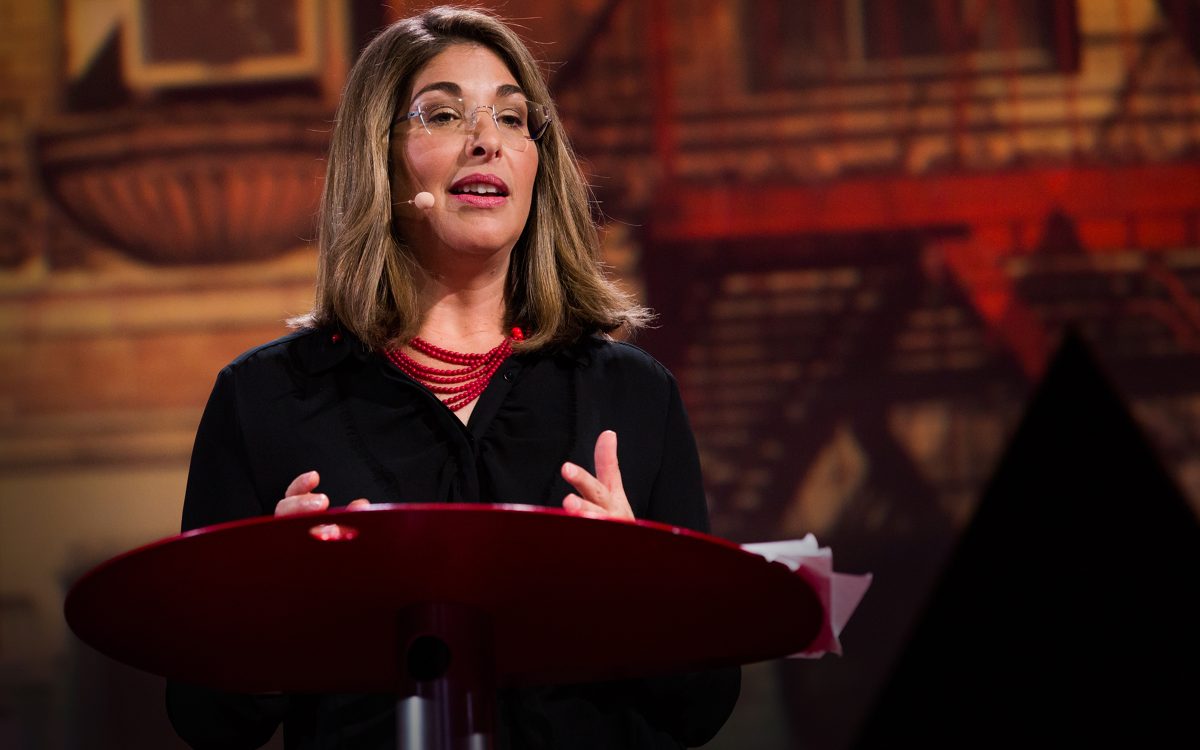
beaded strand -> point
(460, 385)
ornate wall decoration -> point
(201, 184)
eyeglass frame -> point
(472, 122)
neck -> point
(463, 317)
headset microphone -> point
(422, 200)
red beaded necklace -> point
(455, 386)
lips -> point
(480, 185)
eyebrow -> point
(449, 87)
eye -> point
(441, 115)
(511, 118)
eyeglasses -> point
(519, 122)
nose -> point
(473, 120)
(481, 136)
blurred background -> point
(866, 226)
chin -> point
(480, 240)
(483, 246)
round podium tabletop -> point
(311, 602)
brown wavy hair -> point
(556, 289)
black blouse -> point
(319, 400)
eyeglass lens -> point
(518, 121)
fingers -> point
(575, 504)
(603, 494)
(306, 503)
(588, 486)
(305, 483)
(300, 498)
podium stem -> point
(445, 685)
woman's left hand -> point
(601, 495)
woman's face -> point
(482, 184)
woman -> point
(456, 352)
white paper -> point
(839, 593)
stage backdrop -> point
(866, 226)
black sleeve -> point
(692, 707)
(677, 495)
(220, 484)
(220, 488)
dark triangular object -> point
(1067, 612)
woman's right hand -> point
(300, 498)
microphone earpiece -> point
(422, 200)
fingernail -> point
(569, 470)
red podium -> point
(441, 604)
